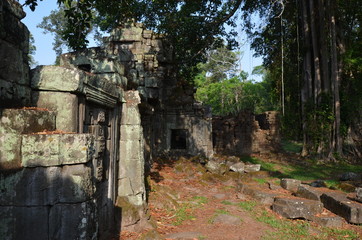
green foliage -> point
(232, 95)
(32, 49)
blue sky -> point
(46, 56)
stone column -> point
(131, 165)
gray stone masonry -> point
(339, 204)
(297, 207)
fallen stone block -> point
(332, 222)
(308, 192)
(216, 167)
(359, 194)
(259, 195)
(238, 167)
(252, 168)
(339, 204)
(290, 184)
(294, 208)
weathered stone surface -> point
(64, 104)
(56, 149)
(332, 222)
(73, 221)
(56, 78)
(13, 69)
(129, 33)
(252, 168)
(350, 176)
(131, 132)
(359, 194)
(216, 167)
(227, 219)
(297, 207)
(24, 223)
(308, 192)
(23, 121)
(339, 204)
(258, 194)
(10, 157)
(318, 183)
(290, 184)
(76, 148)
(47, 186)
(238, 167)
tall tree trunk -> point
(335, 79)
(307, 76)
(315, 46)
(323, 43)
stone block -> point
(13, 94)
(359, 194)
(308, 192)
(131, 132)
(56, 149)
(126, 34)
(30, 187)
(238, 167)
(258, 194)
(331, 222)
(40, 150)
(76, 148)
(16, 33)
(152, 82)
(339, 204)
(24, 223)
(23, 121)
(114, 78)
(252, 168)
(13, 67)
(76, 184)
(294, 208)
(64, 104)
(290, 184)
(56, 78)
(216, 167)
(10, 157)
(73, 221)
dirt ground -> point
(186, 202)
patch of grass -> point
(225, 202)
(261, 180)
(343, 234)
(222, 211)
(182, 214)
(200, 200)
(247, 205)
(292, 146)
(266, 166)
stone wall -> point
(14, 49)
(246, 133)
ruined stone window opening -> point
(178, 138)
(85, 67)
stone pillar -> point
(131, 165)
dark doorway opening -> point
(178, 138)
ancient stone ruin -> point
(76, 139)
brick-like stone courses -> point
(246, 133)
(14, 48)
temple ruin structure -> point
(76, 139)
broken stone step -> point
(309, 192)
(290, 184)
(258, 194)
(328, 221)
(339, 204)
(294, 208)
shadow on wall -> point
(57, 202)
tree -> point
(190, 26)
(32, 50)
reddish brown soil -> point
(190, 185)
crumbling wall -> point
(14, 49)
(246, 133)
